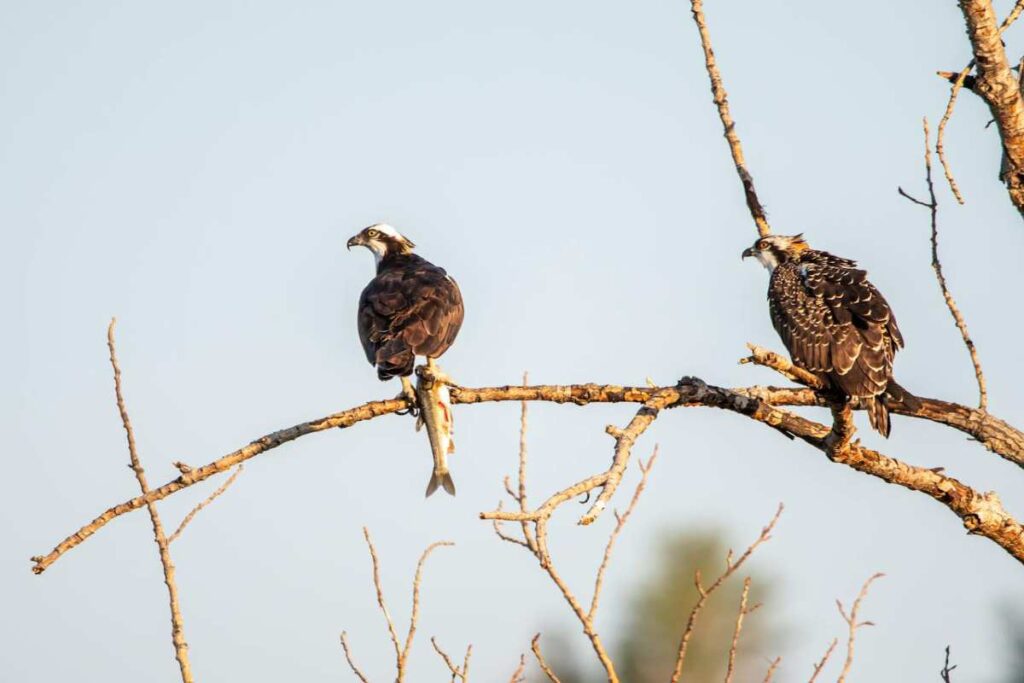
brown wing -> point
(837, 324)
(412, 308)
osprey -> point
(411, 308)
(834, 323)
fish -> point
(436, 414)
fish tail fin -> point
(878, 414)
(442, 479)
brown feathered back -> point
(411, 308)
(836, 324)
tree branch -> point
(958, 318)
(705, 593)
(821, 662)
(996, 84)
(162, 542)
(743, 612)
(213, 496)
(456, 671)
(721, 99)
(853, 624)
(348, 657)
(535, 646)
(400, 650)
(758, 403)
(963, 80)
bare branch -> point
(996, 84)
(958, 318)
(521, 498)
(947, 670)
(721, 100)
(821, 663)
(535, 646)
(963, 80)
(213, 496)
(455, 670)
(771, 669)
(162, 543)
(853, 625)
(756, 402)
(782, 365)
(415, 616)
(958, 82)
(743, 611)
(620, 522)
(705, 593)
(518, 675)
(380, 596)
(348, 656)
(401, 650)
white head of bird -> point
(775, 249)
(383, 240)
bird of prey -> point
(411, 308)
(834, 323)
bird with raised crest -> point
(411, 308)
(834, 323)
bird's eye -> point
(762, 245)
(373, 234)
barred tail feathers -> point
(878, 414)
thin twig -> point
(853, 625)
(821, 662)
(705, 593)
(535, 646)
(401, 650)
(162, 543)
(517, 675)
(348, 656)
(721, 100)
(958, 318)
(771, 669)
(521, 498)
(455, 670)
(743, 611)
(620, 522)
(380, 595)
(213, 496)
(415, 615)
(947, 670)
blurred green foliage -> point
(656, 614)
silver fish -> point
(436, 413)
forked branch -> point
(401, 649)
(853, 624)
(162, 542)
(705, 594)
(954, 310)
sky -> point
(195, 170)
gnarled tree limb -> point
(756, 402)
(996, 84)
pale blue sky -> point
(195, 169)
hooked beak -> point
(354, 242)
(749, 251)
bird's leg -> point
(842, 428)
(434, 372)
(408, 393)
